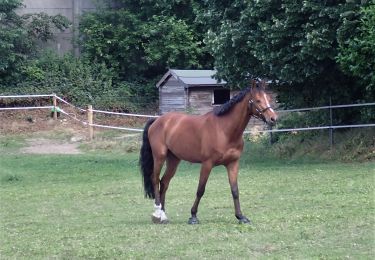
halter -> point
(260, 115)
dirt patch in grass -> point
(35, 132)
(32, 121)
(47, 146)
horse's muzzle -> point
(271, 121)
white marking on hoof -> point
(159, 216)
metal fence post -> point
(271, 140)
(331, 124)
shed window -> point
(220, 96)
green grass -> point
(11, 145)
(92, 206)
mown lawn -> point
(92, 206)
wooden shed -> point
(192, 91)
(197, 92)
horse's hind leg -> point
(159, 157)
(172, 164)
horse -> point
(212, 139)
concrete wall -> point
(72, 9)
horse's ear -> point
(264, 84)
(253, 84)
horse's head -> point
(259, 105)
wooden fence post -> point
(90, 120)
(54, 100)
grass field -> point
(92, 206)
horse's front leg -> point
(205, 172)
(232, 169)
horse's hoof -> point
(164, 221)
(244, 220)
(157, 220)
(193, 221)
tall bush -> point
(140, 40)
(357, 53)
(78, 81)
(138, 49)
(19, 35)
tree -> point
(294, 43)
(19, 34)
(169, 42)
(12, 46)
(357, 53)
(142, 39)
(112, 37)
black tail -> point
(146, 162)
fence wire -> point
(86, 123)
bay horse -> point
(212, 139)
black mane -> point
(226, 107)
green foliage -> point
(288, 41)
(112, 37)
(79, 81)
(18, 37)
(142, 39)
(13, 38)
(124, 50)
(42, 26)
(294, 43)
(352, 145)
(170, 43)
(357, 54)
(312, 50)
(355, 145)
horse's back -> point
(180, 133)
(173, 120)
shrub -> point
(19, 36)
(80, 82)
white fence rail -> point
(312, 128)
(326, 107)
(25, 108)
(122, 114)
(91, 124)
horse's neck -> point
(235, 122)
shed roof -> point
(192, 78)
